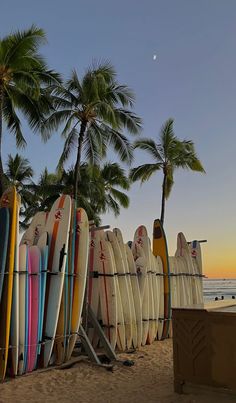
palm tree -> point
(112, 178)
(168, 155)
(94, 113)
(24, 82)
(100, 188)
(18, 171)
(42, 194)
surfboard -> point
(43, 244)
(156, 291)
(136, 293)
(181, 281)
(4, 231)
(23, 306)
(184, 252)
(80, 274)
(14, 328)
(93, 282)
(173, 282)
(121, 340)
(123, 286)
(160, 249)
(9, 200)
(119, 236)
(33, 306)
(65, 315)
(141, 269)
(35, 229)
(107, 291)
(195, 249)
(57, 226)
(141, 237)
(160, 279)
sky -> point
(192, 80)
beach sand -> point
(149, 380)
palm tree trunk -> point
(78, 159)
(163, 201)
(1, 166)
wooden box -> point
(204, 345)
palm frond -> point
(120, 144)
(144, 172)
(150, 146)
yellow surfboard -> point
(160, 249)
(9, 200)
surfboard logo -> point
(78, 229)
(5, 201)
(58, 215)
(36, 231)
(92, 244)
(194, 253)
(102, 257)
(140, 241)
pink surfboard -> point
(33, 310)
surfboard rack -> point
(88, 315)
(91, 353)
(201, 241)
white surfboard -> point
(173, 282)
(141, 237)
(183, 251)
(160, 279)
(121, 340)
(35, 230)
(80, 272)
(23, 270)
(141, 269)
(123, 286)
(119, 236)
(195, 249)
(93, 282)
(181, 282)
(58, 224)
(107, 291)
(156, 291)
(136, 294)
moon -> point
(154, 57)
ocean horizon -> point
(218, 288)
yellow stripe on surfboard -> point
(9, 200)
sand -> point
(149, 380)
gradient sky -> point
(192, 80)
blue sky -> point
(192, 80)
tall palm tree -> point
(94, 113)
(24, 82)
(168, 155)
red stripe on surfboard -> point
(105, 286)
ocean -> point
(213, 288)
